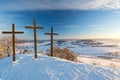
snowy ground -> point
(47, 68)
(114, 63)
(89, 51)
(91, 48)
(94, 62)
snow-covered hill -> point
(47, 68)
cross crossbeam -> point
(34, 27)
(8, 32)
(51, 34)
(13, 32)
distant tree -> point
(6, 45)
(64, 53)
(1, 55)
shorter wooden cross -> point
(13, 32)
(51, 34)
(34, 27)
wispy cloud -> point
(59, 4)
(116, 12)
(2, 25)
(96, 27)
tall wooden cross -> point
(51, 34)
(13, 32)
(34, 27)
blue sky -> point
(72, 19)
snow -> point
(47, 68)
(80, 48)
(114, 63)
(24, 44)
(93, 62)
(86, 50)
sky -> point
(72, 19)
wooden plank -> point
(7, 32)
(47, 33)
(32, 27)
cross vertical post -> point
(51, 34)
(13, 32)
(13, 38)
(34, 27)
(51, 41)
(35, 41)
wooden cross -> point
(13, 32)
(51, 34)
(34, 27)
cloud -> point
(117, 12)
(2, 25)
(59, 4)
(96, 27)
